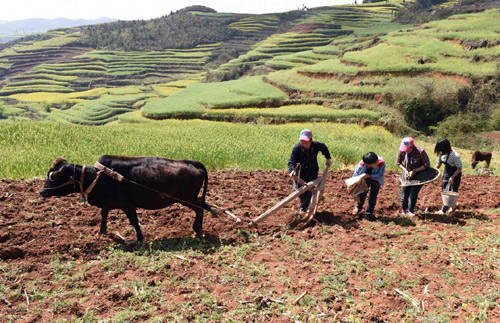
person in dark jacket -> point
(452, 168)
(411, 159)
(305, 153)
(374, 169)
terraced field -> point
(354, 66)
(111, 68)
(56, 71)
(319, 27)
(314, 62)
(400, 61)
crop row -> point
(218, 145)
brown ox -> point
(480, 156)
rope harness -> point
(71, 181)
(118, 177)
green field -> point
(294, 113)
(28, 148)
(196, 98)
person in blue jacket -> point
(374, 168)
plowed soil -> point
(38, 234)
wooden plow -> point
(316, 187)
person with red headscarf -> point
(411, 159)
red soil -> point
(34, 230)
(494, 135)
(305, 28)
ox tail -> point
(204, 194)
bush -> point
(495, 119)
(485, 95)
(429, 107)
(420, 11)
(434, 103)
(462, 130)
(421, 114)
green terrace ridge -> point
(193, 101)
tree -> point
(182, 29)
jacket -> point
(378, 173)
(417, 158)
(308, 159)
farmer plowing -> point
(128, 183)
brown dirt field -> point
(305, 28)
(494, 135)
(361, 74)
(351, 268)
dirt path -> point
(43, 235)
(494, 135)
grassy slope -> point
(194, 99)
(399, 52)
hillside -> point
(350, 63)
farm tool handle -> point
(317, 195)
(307, 187)
(313, 185)
(296, 177)
(323, 180)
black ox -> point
(148, 182)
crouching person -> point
(305, 153)
(452, 168)
(374, 169)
